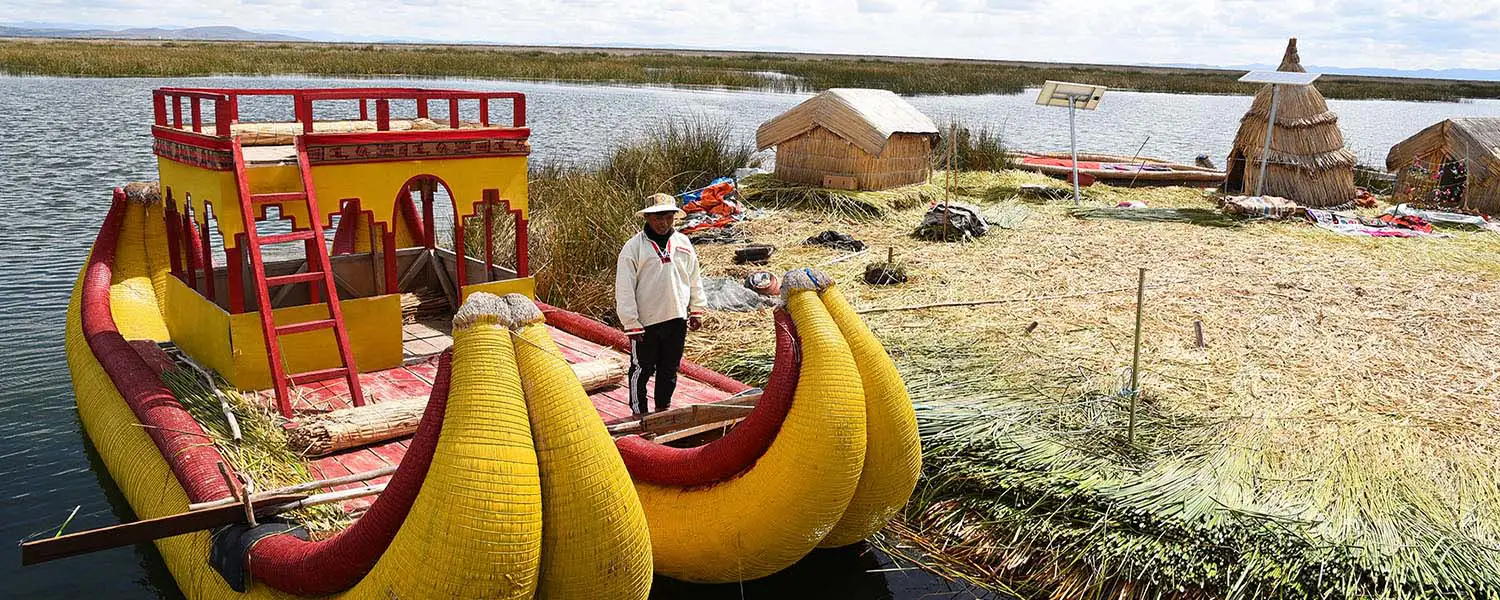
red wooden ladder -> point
(319, 272)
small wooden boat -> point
(1120, 170)
(505, 476)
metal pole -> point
(1135, 361)
(1073, 143)
(1265, 154)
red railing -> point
(168, 104)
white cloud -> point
(1349, 33)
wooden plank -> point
(392, 452)
(125, 534)
(692, 431)
(688, 416)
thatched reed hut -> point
(1308, 161)
(1455, 163)
(851, 139)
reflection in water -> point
(857, 572)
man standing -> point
(659, 298)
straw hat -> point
(657, 203)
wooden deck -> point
(422, 342)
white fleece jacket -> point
(654, 285)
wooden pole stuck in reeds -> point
(1135, 360)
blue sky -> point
(1431, 34)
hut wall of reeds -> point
(870, 136)
(1419, 161)
(1308, 162)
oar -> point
(125, 534)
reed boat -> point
(460, 438)
(1120, 170)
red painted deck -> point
(422, 343)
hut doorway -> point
(1234, 183)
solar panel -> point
(1057, 93)
(1280, 77)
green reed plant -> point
(746, 71)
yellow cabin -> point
(373, 182)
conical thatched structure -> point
(1309, 163)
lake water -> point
(65, 142)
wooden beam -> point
(125, 534)
(282, 293)
(413, 270)
(692, 431)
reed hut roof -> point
(867, 118)
(1475, 140)
(1307, 153)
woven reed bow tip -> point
(513, 311)
(804, 279)
(143, 192)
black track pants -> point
(657, 352)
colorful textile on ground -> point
(1385, 226)
(712, 207)
(1441, 218)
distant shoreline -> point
(738, 69)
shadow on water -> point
(858, 572)
(156, 577)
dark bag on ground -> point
(952, 222)
(836, 240)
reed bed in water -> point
(768, 71)
(1333, 440)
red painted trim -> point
(194, 253)
(314, 292)
(523, 250)
(364, 109)
(429, 222)
(406, 216)
(605, 335)
(206, 247)
(159, 108)
(223, 117)
(382, 116)
(197, 104)
(343, 235)
(190, 139)
(453, 121)
(176, 112)
(491, 198)
(389, 242)
(484, 112)
(733, 454)
(234, 278)
(174, 225)
(422, 108)
(425, 135)
(461, 265)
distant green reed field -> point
(729, 70)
